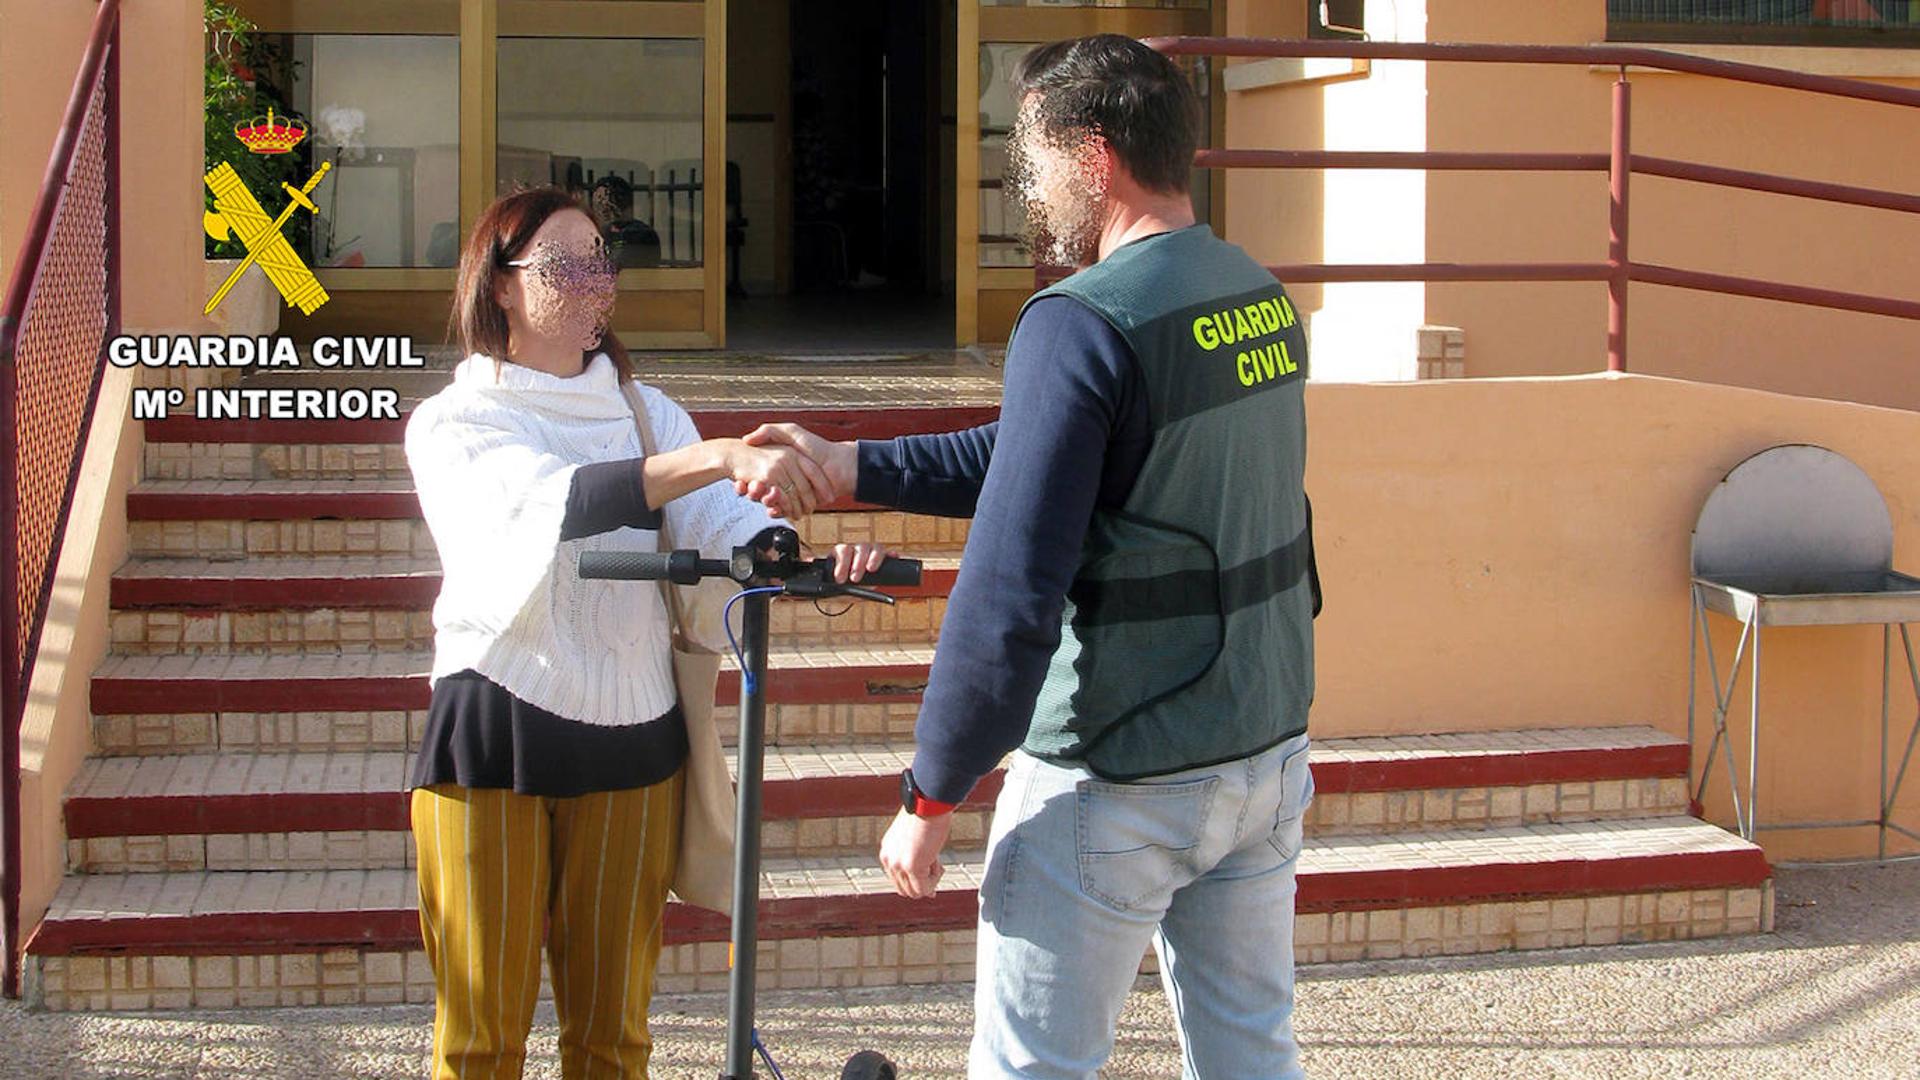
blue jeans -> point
(1083, 874)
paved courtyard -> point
(1834, 992)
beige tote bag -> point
(704, 876)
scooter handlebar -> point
(893, 573)
(679, 567)
(686, 567)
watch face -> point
(906, 790)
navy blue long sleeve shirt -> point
(1072, 435)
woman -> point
(547, 791)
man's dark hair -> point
(1128, 94)
(617, 191)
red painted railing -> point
(1620, 163)
(61, 305)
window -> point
(1339, 20)
(384, 110)
(1887, 23)
(619, 121)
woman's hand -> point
(840, 460)
(851, 562)
(786, 481)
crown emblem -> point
(271, 134)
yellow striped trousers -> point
(502, 872)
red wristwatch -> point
(916, 803)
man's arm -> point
(926, 474)
(937, 474)
(1068, 387)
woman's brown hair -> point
(502, 233)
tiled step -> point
(349, 603)
(182, 448)
(393, 681)
(273, 729)
(293, 529)
(364, 603)
(288, 501)
(238, 810)
(272, 500)
(378, 582)
(140, 941)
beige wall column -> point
(1277, 215)
(38, 56)
(161, 149)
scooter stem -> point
(743, 952)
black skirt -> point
(481, 736)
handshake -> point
(793, 472)
(788, 469)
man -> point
(1134, 608)
(633, 241)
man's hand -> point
(781, 477)
(839, 460)
(910, 853)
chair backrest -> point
(633, 172)
(1793, 510)
(682, 172)
(682, 203)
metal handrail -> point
(15, 648)
(1620, 56)
(1620, 163)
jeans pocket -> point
(1296, 794)
(1136, 841)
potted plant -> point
(246, 74)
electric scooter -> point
(761, 579)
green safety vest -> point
(1187, 638)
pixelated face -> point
(1057, 179)
(609, 207)
(567, 280)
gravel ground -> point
(1834, 992)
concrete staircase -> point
(241, 837)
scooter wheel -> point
(868, 1065)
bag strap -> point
(671, 595)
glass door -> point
(624, 104)
(427, 110)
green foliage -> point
(246, 72)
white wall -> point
(1367, 332)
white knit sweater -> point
(493, 457)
